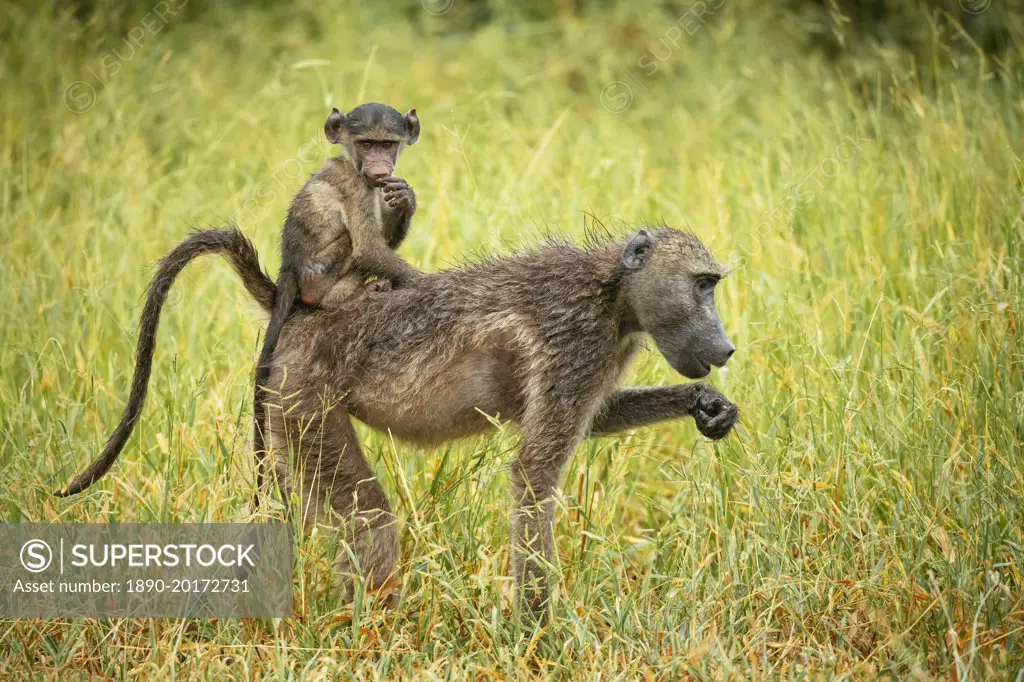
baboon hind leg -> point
(547, 444)
(338, 489)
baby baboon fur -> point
(539, 339)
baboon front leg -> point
(629, 408)
(337, 488)
(543, 453)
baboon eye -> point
(706, 285)
(367, 146)
(387, 145)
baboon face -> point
(373, 136)
(671, 291)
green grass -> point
(864, 519)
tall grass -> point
(864, 519)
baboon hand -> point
(714, 414)
(398, 195)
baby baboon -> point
(341, 228)
(539, 339)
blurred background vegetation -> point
(857, 164)
(832, 24)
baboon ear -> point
(334, 126)
(412, 127)
(637, 250)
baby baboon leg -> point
(342, 290)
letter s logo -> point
(36, 556)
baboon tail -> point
(240, 252)
(287, 291)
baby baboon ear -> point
(334, 126)
(637, 250)
(412, 127)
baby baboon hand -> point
(378, 285)
(398, 195)
(714, 414)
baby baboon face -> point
(373, 136)
(672, 294)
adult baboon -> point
(539, 338)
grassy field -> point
(865, 518)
